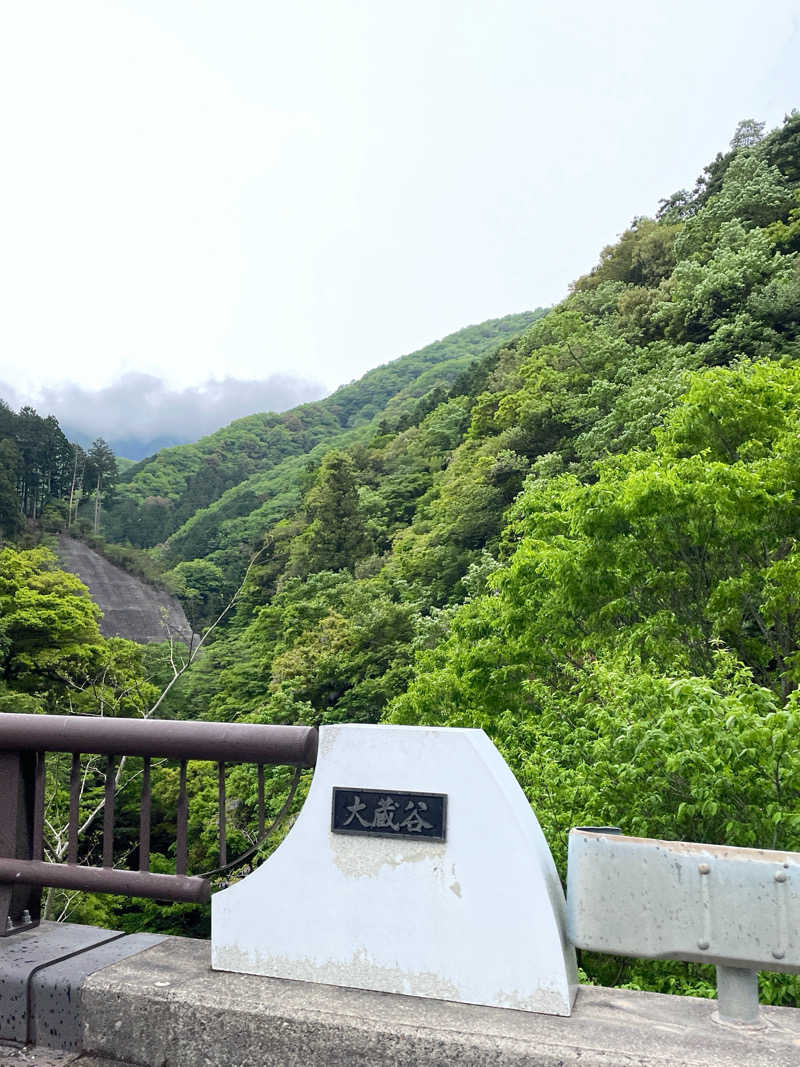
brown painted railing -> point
(26, 739)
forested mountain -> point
(583, 540)
(157, 496)
(586, 545)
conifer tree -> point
(336, 537)
(100, 474)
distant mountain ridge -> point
(158, 496)
(132, 448)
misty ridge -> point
(140, 413)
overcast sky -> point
(257, 190)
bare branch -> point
(195, 651)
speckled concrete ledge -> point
(42, 971)
(31, 1056)
(165, 1007)
(34, 1056)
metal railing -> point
(25, 741)
(640, 897)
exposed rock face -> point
(131, 609)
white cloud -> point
(143, 408)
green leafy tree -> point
(200, 585)
(781, 147)
(753, 192)
(643, 255)
(708, 300)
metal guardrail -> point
(736, 908)
(25, 741)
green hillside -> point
(583, 539)
(586, 546)
(156, 497)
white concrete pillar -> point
(478, 917)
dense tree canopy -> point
(43, 477)
(158, 496)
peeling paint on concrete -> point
(349, 855)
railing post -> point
(737, 995)
(20, 905)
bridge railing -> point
(26, 740)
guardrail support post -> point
(20, 905)
(737, 995)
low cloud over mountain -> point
(140, 413)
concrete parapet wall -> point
(113, 999)
(474, 913)
(165, 1006)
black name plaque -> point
(389, 813)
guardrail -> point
(737, 908)
(25, 741)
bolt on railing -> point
(26, 739)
